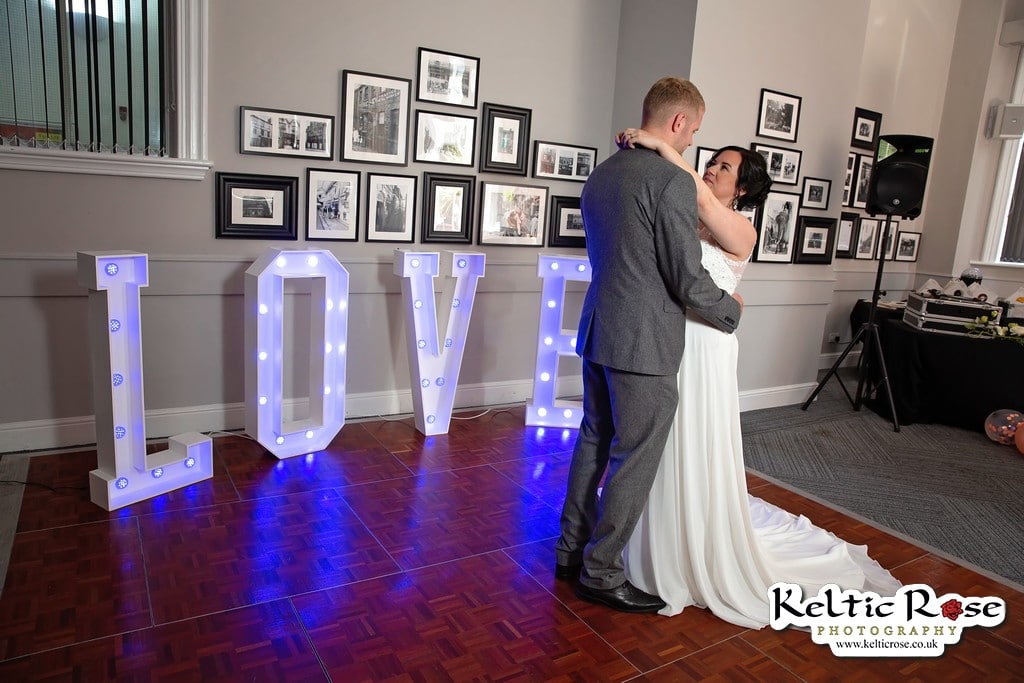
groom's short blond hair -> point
(667, 96)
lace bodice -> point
(725, 271)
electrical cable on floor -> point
(55, 489)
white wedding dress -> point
(703, 540)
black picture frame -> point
(908, 244)
(815, 238)
(816, 192)
(504, 139)
(867, 125)
(783, 162)
(559, 161)
(369, 130)
(867, 238)
(252, 206)
(862, 181)
(332, 205)
(390, 207)
(778, 115)
(443, 138)
(851, 174)
(846, 234)
(447, 78)
(279, 132)
(887, 251)
(565, 227)
(703, 158)
(776, 227)
(448, 208)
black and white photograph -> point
(444, 138)
(779, 115)
(375, 118)
(889, 250)
(504, 139)
(776, 226)
(566, 228)
(448, 209)
(851, 172)
(562, 161)
(846, 234)
(816, 193)
(447, 78)
(253, 206)
(907, 244)
(867, 238)
(867, 125)
(513, 215)
(332, 208)
(814, 239)
(783, 163)
(865, 162)
(390, 207)
(276, 132)
(703, 158)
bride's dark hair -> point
(751, 176)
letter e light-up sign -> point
(434, 364)
(126, 474)
(264, 342)
(554, 342)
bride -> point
(702, 539)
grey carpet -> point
(950, 489)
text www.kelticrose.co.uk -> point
(849, 646)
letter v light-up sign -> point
(127, 474)
(264, 352)
(434, 364)
(554, 342)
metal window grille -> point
(84, 75)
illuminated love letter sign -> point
(434, 365)
(553, 342)
(126, 473)
(264, 357)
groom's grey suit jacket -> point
(639, 214)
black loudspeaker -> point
(897, 181)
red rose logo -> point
(951, 609)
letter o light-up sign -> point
(264, 341)
(554, 342)
(127, 474)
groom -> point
(640, 217)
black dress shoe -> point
(625, 598)
(567, 572)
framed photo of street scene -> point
(783, 163)
(504, 139)
(375, 118)
(776, 226)
(448, 208)
(814, 238)
(779, 115)
(444, 138)
(566, 229)
(562, 162)
(867, 238)
(332, 209)
(513, 215)
(862, 180)
(390, 207)
(447, 78)
(907, 245)
(256, 206)
(276, 132)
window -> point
(104, 86)
(1004, 239)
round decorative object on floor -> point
(1001, 426)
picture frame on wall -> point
(816, 193)
(447, 78)
(846, 234)
(867, 125)
(889, 250)
(448, 208)
(776, 226)
(251, 206)
(851, 172)
(504, 139)
(778, 115)
(375, 118)
(566, 223)
(862, 180)
(907, 245)
(278, 132)
(563, 162)
(783, 163)
(867, 238)
(390, 207)
(512, 215)
(815, 237)
(444, 138)
(703, 158)
(332, 205)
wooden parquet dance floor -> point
(391, 556)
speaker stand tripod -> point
(868, 333)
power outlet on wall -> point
(833, 337)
